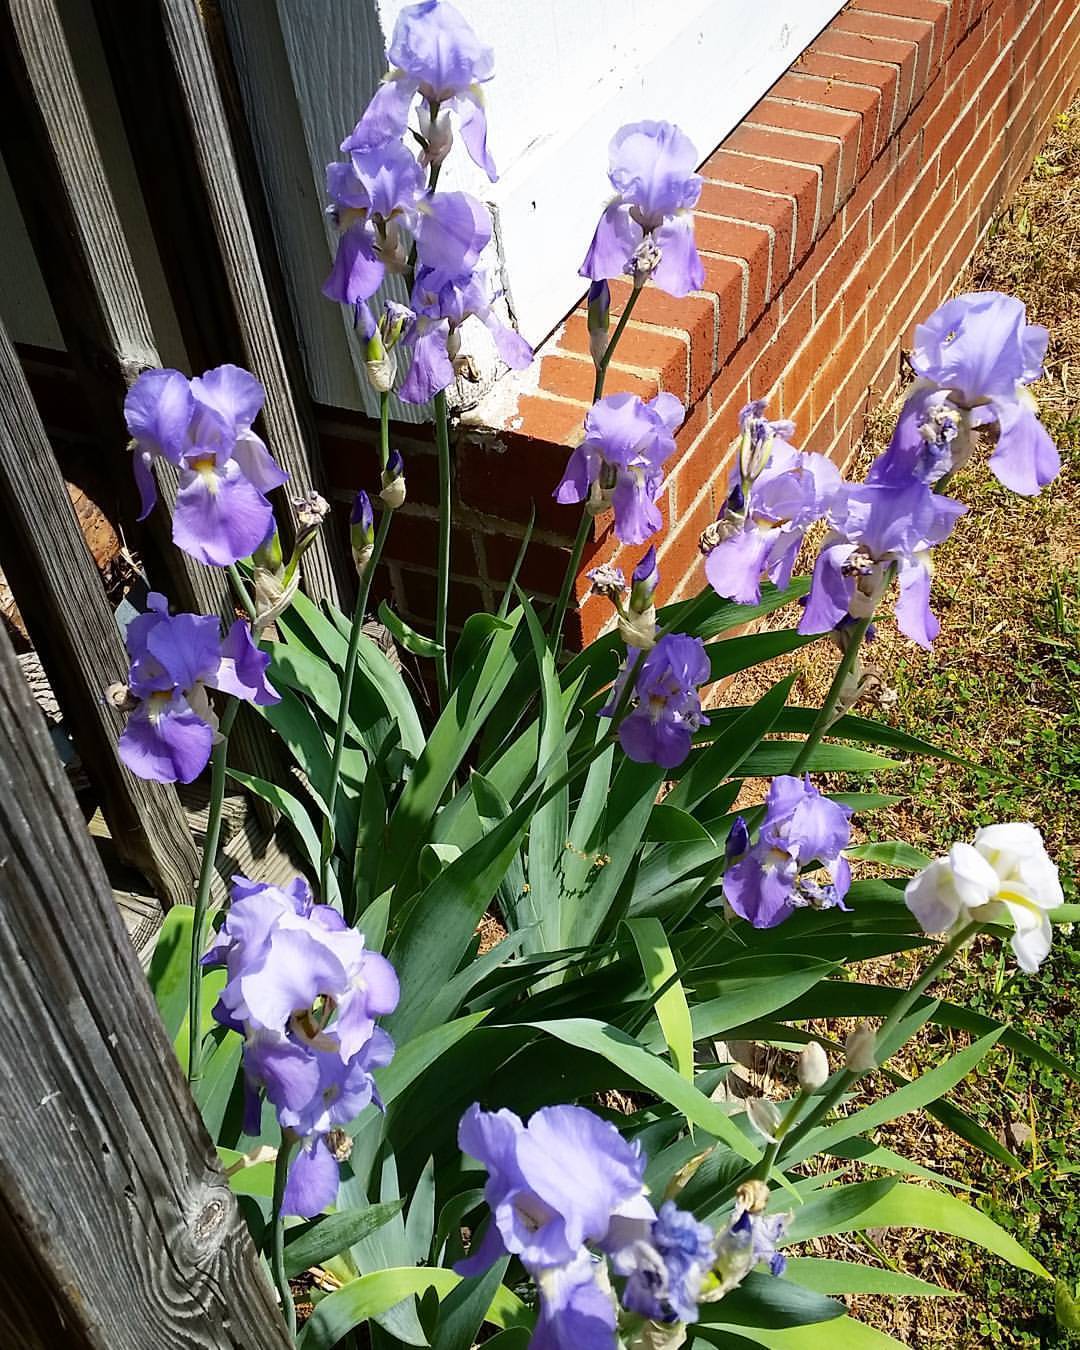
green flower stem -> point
(202, 895)
(349, 674)
(582, 537)
(609, 350)
(827, 716)
(241, 591)
(763, 1170)
(842, 1081)
(442, 595)
(277, 1238)
(384, 429)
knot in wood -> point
(208, 1226)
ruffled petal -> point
(166, 742)
(158, 409)
(830, 591)
(914, 617)
(257, 464)
(637, 517)
(233, 393)
(680, 270)
(431, 370)
(581, 470)
(141, 461)
(386, 116)
(470, 108)
(1025, 459)
(734, 567)
(616, 237)
(242, 670)
(220, 517)
(358, 271)
(313, 1181)
(510, 345)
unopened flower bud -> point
(738, 840)
(437, 136)
(644, 261)
(638, 630)
(752, 1197)
(764, 1115)
(643, 583)
(393, 482)
(380, 365)
(268, 554)
(599, 319)
(362, 531)
(859, 1049)
(813, 1067)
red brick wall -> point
(834, 217)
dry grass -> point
(1001, 687)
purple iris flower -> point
(647, 230)
(877, 525)
(620, 463)
(435, 53)
(777, 492)
(800, 827)
(974, 357)
(203, 426)
(174, 660)
(304, 993)
(575, 1312)
(374, 195)
(566, 1179)
(442, 302)
(296, 968)
(667, 711)
(666, 1272)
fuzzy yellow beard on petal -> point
(206, 467)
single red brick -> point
(541, 571)
(695, 315)
(874, 74)
(556, 420)
(797, 87)
(823, 156)
(777, 355)
(943, 116)
(419, 599)
(414, 539)
(819, 346)
(839, 265)
(727, 280)
(896, 30)
(697, 419)
(991, 52)
(802, 187)
(750, 243)
(844, 127)
(739, 370)
(935, 12)
(574, 377)
(642, 348)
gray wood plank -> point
(288, 418)
(73, 628)
(118, 1228)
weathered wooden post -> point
(118, 1229)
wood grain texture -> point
(118, 1228)
(55, 163)
(74, 630)
(289, 422)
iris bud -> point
(599, 302)
(393, 482)
(362, 531)
(860, 1049)
(813, 1067)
